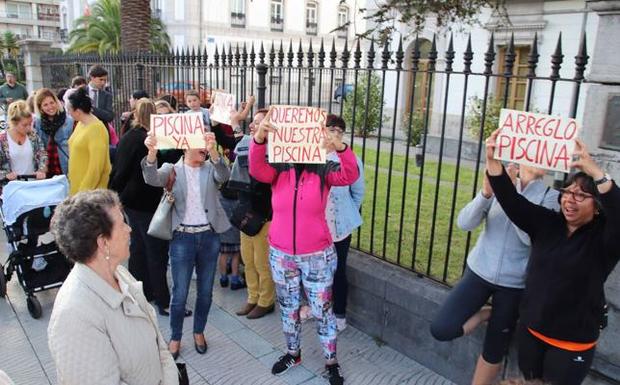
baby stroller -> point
(27, 208)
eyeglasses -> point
(577, 196)
(334, 130)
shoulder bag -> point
(247, 220)
(161, 223)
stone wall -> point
(396, 306)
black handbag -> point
(183, 377)
(247, 220)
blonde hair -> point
(17, 111)
(142, 115)
(163, 103)
(41, 95)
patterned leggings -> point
(316, 272)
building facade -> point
(526, 18)
(35, 19)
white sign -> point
(181, 131)
(223, 106)
(538, 140)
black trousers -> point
(465, 300)
(539, 360)
(340, 287)
(148, 261)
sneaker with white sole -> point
(341, 324)
(285, 362)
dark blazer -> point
(104, 109)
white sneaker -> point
(341, 324)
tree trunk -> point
(135, 25)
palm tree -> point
(101, 30)
(135, 25)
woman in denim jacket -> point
(54, 126)
(343, 217)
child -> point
(192, 100)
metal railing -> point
(394, 99)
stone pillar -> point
(601, 124)
(33, 49)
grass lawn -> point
(394, 241)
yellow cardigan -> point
(89, 157)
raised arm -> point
(152, 175)
(347, 173)
(259, 168)
(610, 200)
(222, 172)
(528, 216)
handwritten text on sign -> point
(223, 105)
(537, 140)
(180, 131)
(298, 136)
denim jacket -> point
(61, 138)
(502, 251)
(343, 209)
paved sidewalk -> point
(240, 351)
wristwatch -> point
(604, 179)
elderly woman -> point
(21, 150)
(102, 329)
(54, 126)
(198, 219)
(573, 252)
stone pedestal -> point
(604, 72)
(33, 49)
(601, 132)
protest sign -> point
(180, 131)
(223, 105)
(537, 140)
(298, 135)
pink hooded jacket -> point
(298, 225)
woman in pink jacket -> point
(301, 247)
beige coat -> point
(100, 336)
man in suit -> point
(102, 99)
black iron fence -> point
(416, 120)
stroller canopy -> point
(19, 197)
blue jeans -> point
(186, 251)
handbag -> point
(247, 220)
(183, 377)
(161, 223)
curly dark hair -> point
(79, 220)
(79, 100)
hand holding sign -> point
(264, 128)
(584, 161)
(151, 144)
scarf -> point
(51, 125)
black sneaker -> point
(333, 374)
(284, 363)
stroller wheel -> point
(2, 282)
(34, 307)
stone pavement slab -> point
(241, 351)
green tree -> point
(491, 118)
(373, 106)
(101, 31)
(9, 48)
(385, 16)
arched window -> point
(343, 20)
(312, 13)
